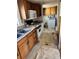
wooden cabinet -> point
(18, 54)
(32, 39)
(50, 11)
(31, 42)
(24, 50)
(53, 10)
(37, 7)
(25, 5)
(26, 44)
(23, 47)
(33, 6)
(47, 11)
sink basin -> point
(27, 29)
(23, 31)
(18, 35)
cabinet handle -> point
(27, 42)
(17, 54)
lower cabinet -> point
(26, 44)
(18, 54)
(31, 42)
(24, 50)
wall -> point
(58, 16)
(49, 5)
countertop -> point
(32, 27)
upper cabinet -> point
(25, 5)
(37, 7)
(33, 6)
(50, 11)
(53, 10)
(47, 11)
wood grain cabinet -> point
(26, 44)
(24, 50)
(32, 40)
(47, 11)
(18, 54)
(23, 47)
(36, 7)
(25, 5)
(31, 43)
(50, 11)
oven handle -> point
(38, 26)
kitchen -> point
(35, 27)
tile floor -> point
(47, 37)
(46, 40)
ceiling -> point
(43, 1)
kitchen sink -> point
(22, 31)
(18, 35)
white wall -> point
(49, 5)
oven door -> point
(39, 32)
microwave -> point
(32, 14)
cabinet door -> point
(31, 42)
(18, 54)
(47, 11)
(36, 7)
(24, 50)
(53, 10)
(35, 37)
